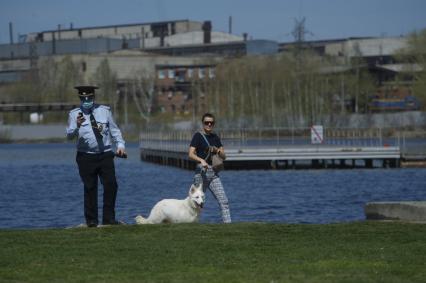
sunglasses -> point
(209, 123)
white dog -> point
(176, 211)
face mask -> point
(87, 104)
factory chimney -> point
(207, 29)
(59, 31)
(11, 32)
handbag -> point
(217, 161)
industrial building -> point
(173, 38)
(145, 49)
(178, 54)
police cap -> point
(86, 90)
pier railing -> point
(413, 145)
(274, 138)
(282, 148)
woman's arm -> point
(193, 156)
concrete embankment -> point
(33, 132)
(404, 210)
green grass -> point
(244, 252)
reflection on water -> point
(40, 187)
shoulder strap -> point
(205, 138)
(208, 144)
(95, 128)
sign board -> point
(317, 134)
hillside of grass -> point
(242, 252)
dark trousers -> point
(92, 166)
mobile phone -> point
(80, 116)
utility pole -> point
(11, 32)
(126, 117)
(298, 33)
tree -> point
(288, 89)
(68, 77)
(416, 55)
(106, 80)
(142, 91)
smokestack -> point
(143, 38)
(207, 29)
(53, 43)
(11, 32)
(230, 24)
(245, 35)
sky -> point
(261, 19)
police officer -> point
(95, 130)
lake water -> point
(40, 187)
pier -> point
(280, 149)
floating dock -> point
(279, 149)
(286, 158)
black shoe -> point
(92, 224)
(115, 222)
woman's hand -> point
(204, 163)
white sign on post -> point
(317, 134)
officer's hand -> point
(121, 152)
(80, 119)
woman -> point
(203, 145)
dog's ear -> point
(200, 186)
(192, 189)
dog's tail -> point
(140, 220)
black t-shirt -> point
(201, 147)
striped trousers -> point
(211, 180)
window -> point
(180, 75)
(201, 73)
(159, 29)
(212, 73)
(171, 74)
(190, 72)
(161, 74)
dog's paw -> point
(140, 220)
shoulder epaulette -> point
(104, 107)
(75, 109)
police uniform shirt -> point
(86, 141)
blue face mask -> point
(87, 103)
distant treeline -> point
(302, 88)
(293, 88)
